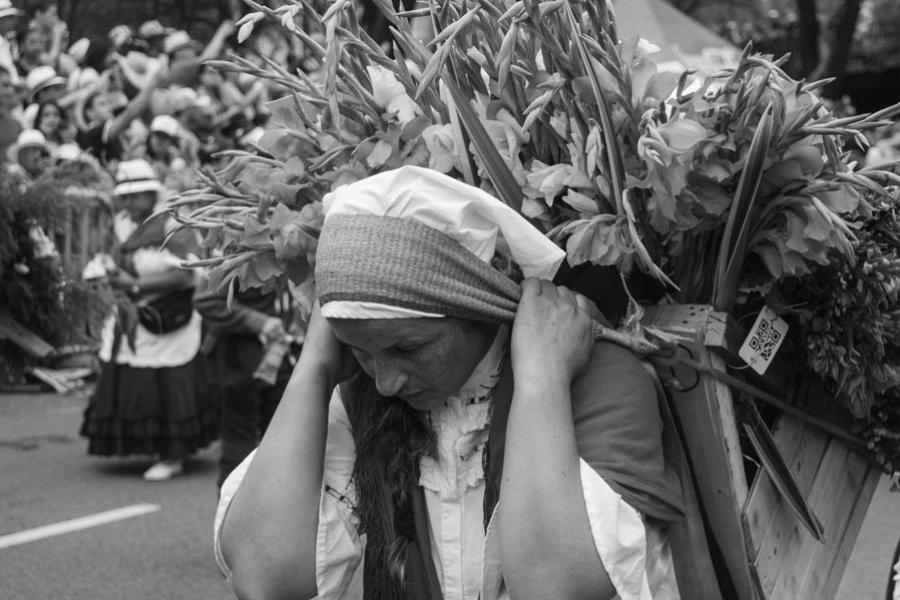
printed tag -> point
(763, 341)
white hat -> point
(120, 34)
(469, 215)
(252, 137)
(135, 176)
(29, 115)
(82, 79)
(138, 68)
(176, 41)
(8, 10)
(165, 124)
(29, 138)
(67, 151)
(79, 49)
(40, 78)
(151, 29)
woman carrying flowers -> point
(150, 398)
(448, 433)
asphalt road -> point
(46, 477)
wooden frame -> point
(767, 552)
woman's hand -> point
(553, 331)
(333, 357)
(122, 280)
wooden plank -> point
(31, 343)
(767, 517)
(68, 236)
(725, 335)
(764, 498)
(835, 571)
(85, 236)
(706, 415)
(834, 491)
(780, 540)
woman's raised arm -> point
(545, 535)
(269, 533)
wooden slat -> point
(67, 245)
(835, 571)
(85, 237)
(33, 344)
(764, 498)
(767, 516)
(706, 415)
(834, 492)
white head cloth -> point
(467, 214)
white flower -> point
(391, 95)
(441, 148)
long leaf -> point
(613, 158)
(497, 169)
(459, 137)
(737, 230)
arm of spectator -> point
(56, 44)
(137, 105)
(238, 107)
(217, 43)
(238, 318)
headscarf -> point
(413, 242)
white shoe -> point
(164, 470)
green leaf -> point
(732, 251)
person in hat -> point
(53, 122)
(31, 153)
(9, 21)
(449, 433)
(102, 128)
(44, 85)
(154, 34)
(10, 125)
(149, 399)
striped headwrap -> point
(413, 242)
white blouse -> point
(635, 554)
(150, 350)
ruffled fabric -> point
(167, 411)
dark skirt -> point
(167, 411)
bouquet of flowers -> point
(721, 185)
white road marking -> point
(54, 529)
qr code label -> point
(763, 341)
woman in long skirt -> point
(150, 398)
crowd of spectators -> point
(141, 92)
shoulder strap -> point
(493, 453)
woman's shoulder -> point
(619, 430)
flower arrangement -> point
(35, 288)
(721, 185)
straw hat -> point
(29, 138)
(83, 79)
(165, 124)
(151, 29)
(8, 10)
(135, 176)
(120, 34)
(67, 152)
(79, 49)
(138, 68)
(40, 78)
(177, 40)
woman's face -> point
(50, 120)
(160, 143)
(34, 43)
(139, 205)
(99, 109)
(421, 361)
